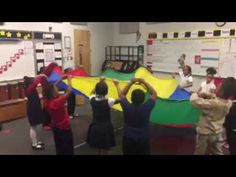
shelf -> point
(127, 53)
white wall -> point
(101, 35)
(130, 39)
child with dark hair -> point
(47, 119)
(47, 71)
(101, 133)
(230, 126)
(136, 118)
(186, 79)
(43, 80)
(71, 102)
(41, 70)
(55, 105)
(34, 113)
(208, 86)
(214, 108)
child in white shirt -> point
(186, 79)
(208, 86)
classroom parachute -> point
(172, 107)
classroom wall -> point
(101, 35)
(130, 39)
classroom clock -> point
(220, 24)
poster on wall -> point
(58, 55)
(57, 46)
(67, 42)
(197, 59)
(39, 56)
(49, 55)
(39, 46)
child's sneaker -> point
(37, 147)
(40, 143)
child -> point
(136, 118)
(230, 125)
(208, 86)
(34, 113)
(214, 109)
(60, 119)
(47, 121)
(186, 79)
(42, 79)
(45, 72)
(101, 134)
(71, 100)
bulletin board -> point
(48, 49)
(202, 49)
(23, 53)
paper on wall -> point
(58, 55)
(57, 46)
(48, 46)
(49, 55)
(40, 56)
(39, 46)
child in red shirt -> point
(55, 105)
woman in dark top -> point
(136, 118)
(101, 132)
(34, 113)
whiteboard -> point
(227, 65)
(23, 66)
(164, 54)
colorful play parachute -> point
(172, 108)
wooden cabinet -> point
(12, 109)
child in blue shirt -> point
(136, 118)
